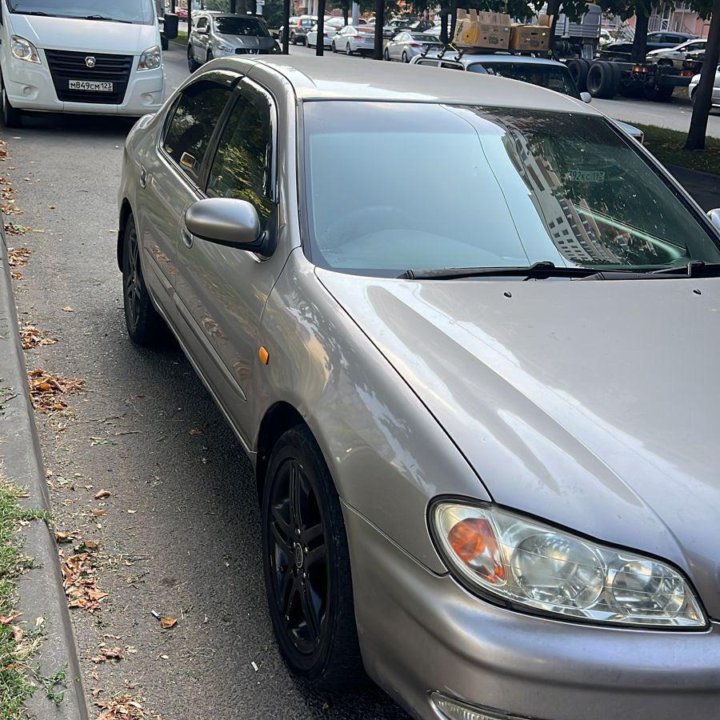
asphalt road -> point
(180, 529)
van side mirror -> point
(714, 216)
(226, 221)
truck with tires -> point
(605, 73)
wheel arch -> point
(125, 213)
(278, 419)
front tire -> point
(307, 566)
(193, 64)
(405, 57)
(144, 324)
(12, 118)
(333, 47)
(348, 51)
(386, 55)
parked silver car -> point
(218, 35)
(406, 45)
(354, 39)
(676, 56)
(716, 87)
(537, 71)
(484, 437)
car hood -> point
(248, 41)
(591, 404)
(82, 35)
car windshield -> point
(437, 186)
(240, 26)
(547, 76)
(129, 11)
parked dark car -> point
(655, 41)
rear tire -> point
(144, 324)
(386, 55)
(578, 68)
(602, 80)
(306, 565)
(348, 51)
(333, 47)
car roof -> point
(314, 78)
(472, 58)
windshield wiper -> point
(33, 12)
(695, 268)
(104, 18)
(539, 271)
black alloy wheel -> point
(307, 567)
(144, 324)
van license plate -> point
(90, 85)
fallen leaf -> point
(67, 308)
(102, 494)
(7, 619)
(167, 622)
(46, 390)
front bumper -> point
(30, 87)
(420, 632)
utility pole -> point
(286, 27)
(320, 45)
(379, 23)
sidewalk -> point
(40, 588)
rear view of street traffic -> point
(361, 390)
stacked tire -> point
(578, 68)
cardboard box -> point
(530, 38)
(486, 30)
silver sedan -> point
(352, 39)
(716, 87)
(407, 45)
(482, 412)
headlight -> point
(151, 59)
(225, 48)
(23, 49)
(534, 566)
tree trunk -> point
(444, 17)
(553, 9)
(233, 6)
(453, 19)
(703, 92)
(346, 12)
(639, 48)
(379, 24)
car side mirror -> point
(714, 216)
(226, 221)
(586, 97)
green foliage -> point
(15, 687)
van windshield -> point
(138, 12)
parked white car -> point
(353, 39)
(76, 56)
(716, 88)
(332, 26)
(406, 45)
(677, 55)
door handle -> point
(187, 238)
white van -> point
(101, 57)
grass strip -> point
(16, 645)
(667, 146)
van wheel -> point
(144, 324)
(12, 118)
(164, 43)
(307, 565)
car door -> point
(221, 291)
(397, 45)
(170, 173)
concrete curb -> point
(39, 589)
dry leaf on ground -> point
(33, 337)
(101, 494)
(122, 707)
(18, 257)
(79, 579)
(67, 308)
(107, 653)
(167, 622)
(46, 390)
